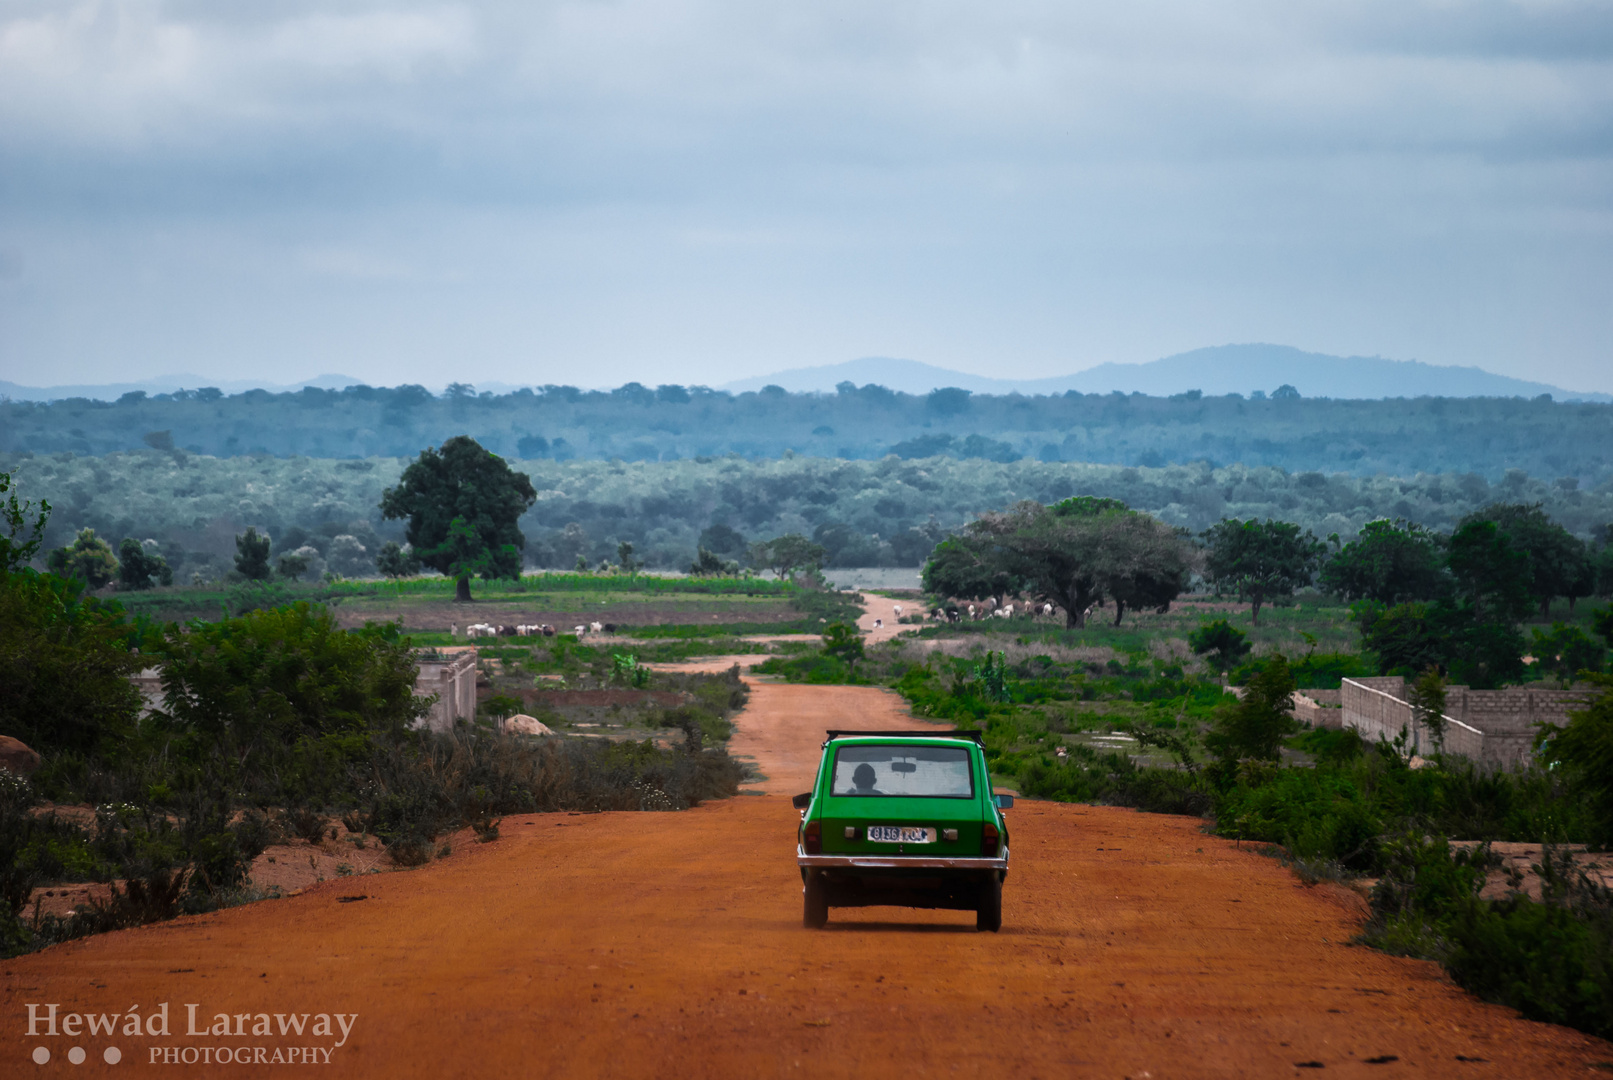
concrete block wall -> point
(451, 675)
(1495, 727)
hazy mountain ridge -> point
(164, 384)
(1218, 370)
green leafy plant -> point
(1221, 644)
(843, 642)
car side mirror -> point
(1003, 801)
(802, 801)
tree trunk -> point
(1120, 609)
(1255, 615)
(462, 590)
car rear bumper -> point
(900, 862)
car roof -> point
(902, 738)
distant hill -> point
(1222, 369)
(164, 384)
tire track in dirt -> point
(670, 945)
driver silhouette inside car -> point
(863, 781)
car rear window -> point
(904, 771)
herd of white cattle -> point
(990, 608)
(481, 630)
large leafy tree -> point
(139, 569)
(959, 568)
(1491, 574)
(1390, 562)
(252, 556)
(1146, 564)
(1477, 650)
(88, 558)
(1075, 553)
(462, 504)
(786, 554)
(1261, 561)
(1558, 563)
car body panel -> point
(855, 871)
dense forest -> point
(1397, 437)
(889, 512)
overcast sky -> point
(699, 190)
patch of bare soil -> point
(1519, 862)
(670, 945)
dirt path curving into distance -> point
(882, 609)
(670, 945)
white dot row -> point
(111, 1055)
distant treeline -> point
(889, 512)
(1398, 437)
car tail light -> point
(812, 838)
(990, 838)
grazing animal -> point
(476, 630)
(1047, 609)
(506, 631)
(610, 628)
(548, 631)
(898, 609)
(1008, 612)
(972, 614)
(878, 623)
(579, 630)
(596, 627)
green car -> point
(903, 818)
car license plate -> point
(900, 834)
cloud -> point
(1051, 182)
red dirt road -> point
(631, 945)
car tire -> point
(815, 903)
(989, 911)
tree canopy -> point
(1261, 561)
(1558, 563)
(786, 554)
(252, 556)
(1390, 562)
(141, 569)
(1077, 553)
(88, 558)
(462, 504)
